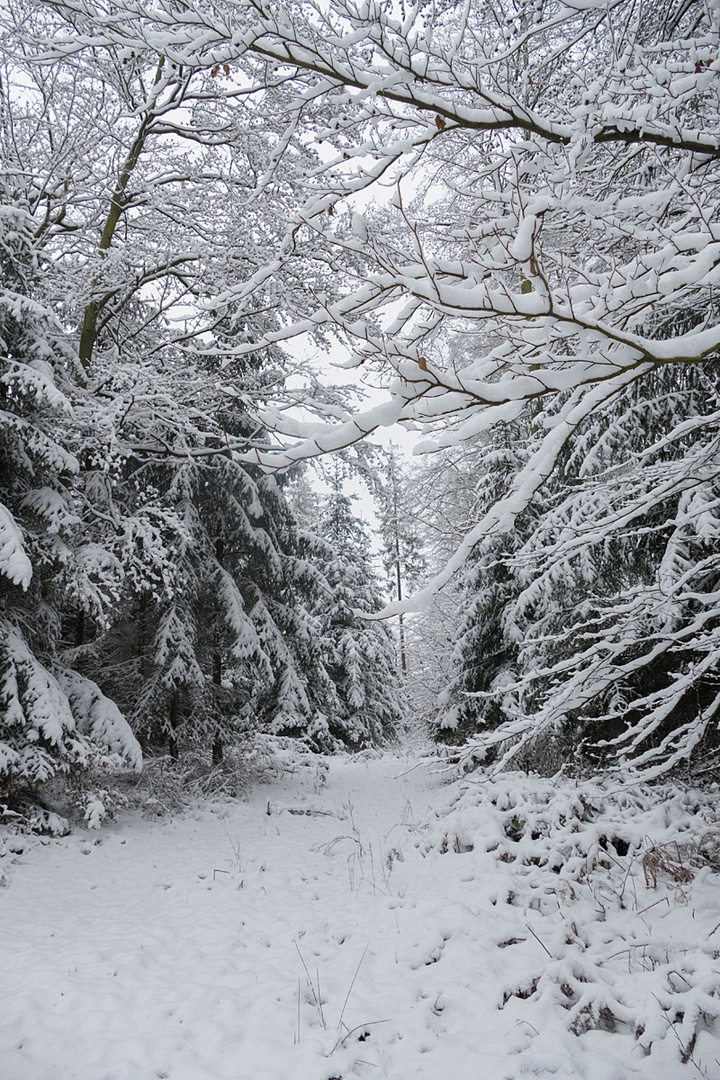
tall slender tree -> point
(368, 708)
(402, 543)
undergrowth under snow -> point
(360, 917)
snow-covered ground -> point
(359, 918)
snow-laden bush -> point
(616, 893)
(52, 724)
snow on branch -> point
(14, 562)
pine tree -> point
(178, 578)
(625, 565)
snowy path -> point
(282, 946)
(146, 952)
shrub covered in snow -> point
(593, 883)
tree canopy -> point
(508, 214)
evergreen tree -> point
(486, 646)
(177, 576)
(367, 706)
(51, 717)
(617, 612)
(592, 624)
(402, 543)
(212, 633)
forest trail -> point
(311, 931)
(244, 944)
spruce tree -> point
(213, 633)
(51, 717)
(402, 542)
(368, 709)
(485, 654)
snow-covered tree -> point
(51, 718)
(214, 629)
(485, 649)
(404, 561)
(367, 708)
(616, 614)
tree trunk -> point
(217, 746)
(88, 334)
(398, 574)
(174, 723)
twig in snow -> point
(539, 941)
(662, 900)
(296, 1040)
(408, 771)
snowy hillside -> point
(358, 917)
